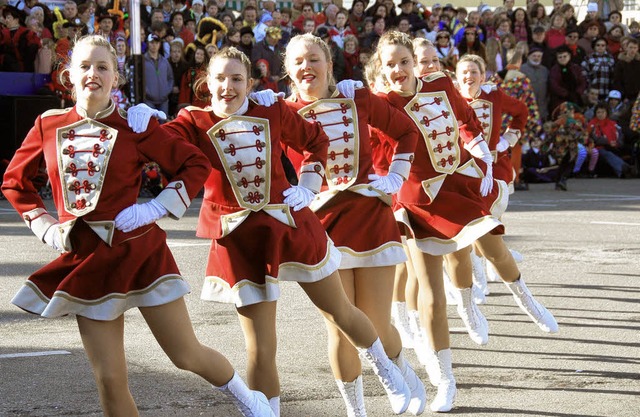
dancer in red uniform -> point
(448, 202)
(94, 161)
(261, 227)
(354, 205)
(490, 104)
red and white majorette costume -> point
(360, 222)
(490, 104)
(94, 166)
(440, 203)
(257, 238)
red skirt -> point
(102, 282)
(503, 170)
(456, 218)
(245, 266)
(363, 229)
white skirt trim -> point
(164, 290)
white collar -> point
(242, 110)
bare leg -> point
(496, 252)
(258, 323)
(171, 326)
(104, 344)
(400, 282)
(432, 303)
(329, 297)
(412, 288)
(459, 268)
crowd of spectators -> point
(577, 70)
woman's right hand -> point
(139, 115)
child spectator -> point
(263, 79)
(604, 133)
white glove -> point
(512, 136)
(348, 87)
(139, 115)
(139, 215)
(503, 144)
(298, 197)
(53, 238)
(265, 98)
(486, 185)
(389, 184)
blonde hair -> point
(96, 41)
(476, 60)
(422, 43)
(229, 52)
(308, 38)
(493, 50)
(392, 38)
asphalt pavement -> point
(581, 259)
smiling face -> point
(428, 61)
(308, 67)
(93, 74)
(228, 83)
(469, 77)
(397, 66)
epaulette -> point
(196, 108)
(488, 87)
(433, 76)
(55, 112)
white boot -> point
(449, 289)
(536, 311)
(353, 395)
(389, 375)
(427, 357)
(401, 322)
(414, 323)
(479, 274)
(478, 295)
(418, 393)
(250, 403)
(274, 403)
(443, 401)
(473, 319)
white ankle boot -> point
(389, 375)
(418, 393)
(414, 323)
(250, 403)
(427, 357)
(473, 319)
(353, 395)
(479, 274)
(443, 401)
(274, 403)
(536, 311)
(401, 322)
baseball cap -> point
(615, 94)
(153, 38)
(200, 2)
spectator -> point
(569, 14)
(307, 13)
(70, 10)
(407, 11)
(617, 108)
(494, 61)
(263, 80)
(357, 16)
(269, 50)
(285, 21)
(337, 56)
(626, 71)
(566, 80)
(106, 25)
(591, 100)
(447, 52)
(180, 7)
(158, 76)
(614, 40)
(309, 26)
(471, 43)
(212, 9)
(555, 34)
(197, 10)
(353, 70)
(250, 16)
(18, 44)
(179, 67)
(605, 7)
(536, 164)
(246, 41)
(341, 29)
(538, 15)
(232, 38)
(193, 90)
(371, 39)
(520, 25)
(538, 35)
(328, 17)
(604, 133)
(591, 32)
(557, 4)
(266, 21)
(179, 29)
(598, 68)
(538, 74)
(571, 41)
